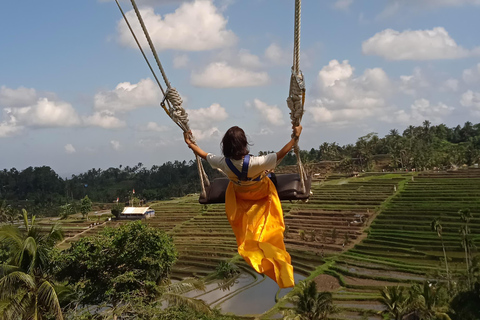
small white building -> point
(137, 213)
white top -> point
(256, 167)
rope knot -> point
(174, 97)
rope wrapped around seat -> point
(296, 96)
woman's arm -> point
(196, 149)
(286, 149)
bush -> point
(227, 270)
(117, 263)
(117, 209)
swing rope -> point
(174, 101)
(296, 97)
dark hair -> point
(234, 143)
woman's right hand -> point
(186, 137)
(297, 131)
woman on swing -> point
(252, 204)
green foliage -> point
(134, 258)
(301, 233)
(395, 302)
(67, 210)
(466, 305)
(85, 207)
(26, 291)
(226, 270)
(140, 310)
(117, 209)
(311, 304)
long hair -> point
(234, 143)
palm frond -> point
(55, 235)
(7, 268)
(18, 306)
(47, 297)
(185, 286)
(14, 281)
(174, 299)
(29, 247)
(25, 220)
(11, 236)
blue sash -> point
(242, 176)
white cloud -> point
(413, 83)
(153, 126)
(194, 26)
(472, 100)
(395, 6)
(202, 121)
(239, 58)
(210, 133)
(246, 59)
(334, 72)
(278, 55)
(204, 117)
(104, 119)
(8, 129)
(451, 85)
(471, 76)
(115, 145)
(14, 98)
(345, 98)
(421, 110)
(342, 4)
(180, 61)
(222, 75)
(415, 45)
(45, 113)
(127, 96)
(69, 148)
(271, 114)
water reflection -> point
(256, 299)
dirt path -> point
(80, 233)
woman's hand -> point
(297, 131)
(186, 137)
(196, 149)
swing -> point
(289, 186)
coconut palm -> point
(25, 288)
(395, 302)
(436, 226)
(311, 304)
(467, 244)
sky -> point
(76, 94)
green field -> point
(365, 233)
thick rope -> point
(296, 42)
(175, 110)
(296, 98)
(143, 53)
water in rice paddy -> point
(245, 296)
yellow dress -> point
(256, 216)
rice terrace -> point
(354, 237)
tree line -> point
(421, 147)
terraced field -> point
(367, 232)
(401, 248)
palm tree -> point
(25, 289)
(395, 302)
(467, 244)
(311, 304)
(437, 227)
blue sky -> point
(75, 92)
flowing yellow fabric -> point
(256, 216)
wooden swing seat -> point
(289, 187)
